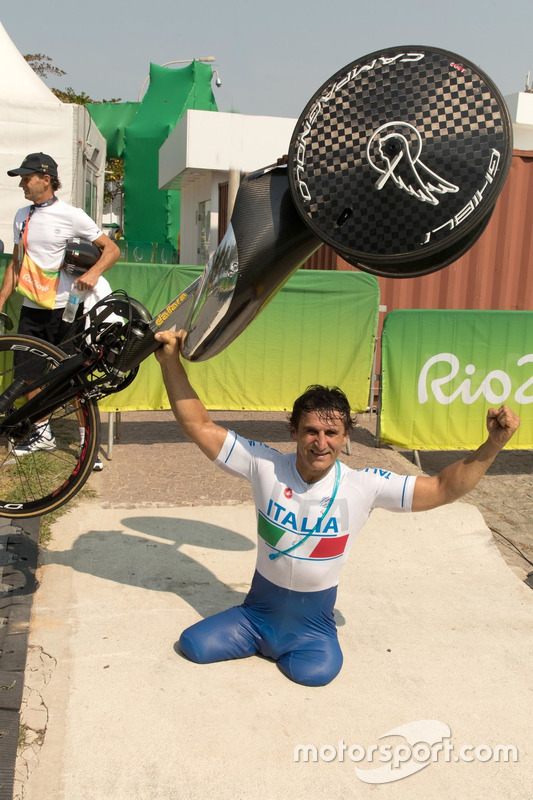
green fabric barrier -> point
(442, 370)
(320, 328)
(112, 119)
(150, 214)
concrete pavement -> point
(433, 624)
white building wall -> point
(88, 163)
(201, 151)
(521, 109)
(216, 141)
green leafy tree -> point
(43, 65)
(79, 98)
(114, 179)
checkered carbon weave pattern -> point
(449, 117)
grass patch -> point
(36, 475)
(22, 736)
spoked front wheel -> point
(40, 472)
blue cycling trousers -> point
(296, 629)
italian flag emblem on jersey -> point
(319, 545)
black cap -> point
(36, 162)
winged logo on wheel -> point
(394, 151)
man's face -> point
(319, 441)
(36, 187)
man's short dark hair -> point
(325, 401)
(55, 183)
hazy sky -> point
(271, 56)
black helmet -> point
(80, 255)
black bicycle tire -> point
(59, 495)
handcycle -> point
(118, 333)
(396, 187)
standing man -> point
(309, 509)
(40, 233)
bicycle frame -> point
(59, 390)
(55, 388)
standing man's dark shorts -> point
(42, 323)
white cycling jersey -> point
(288, 509)
(49, 229)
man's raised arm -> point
(187, 407)
(462, 476)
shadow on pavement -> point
(154, 558)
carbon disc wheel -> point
(423, 266)
(399, 157)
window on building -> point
(88, 196)
(204, 231)
(222, 210)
